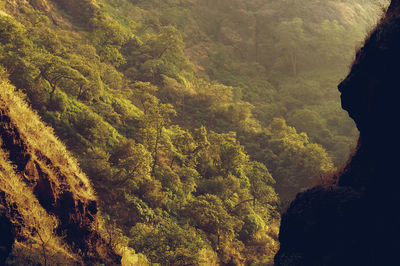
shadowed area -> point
(353, 220)
(7, 234)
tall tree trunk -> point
(256, 34)
(53, 89)
(155, 152)
(293, 59)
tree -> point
(169, 243)
(330, 43)
(91, 84)
(261, 183)
(132, 161)
(165, 55)
(294, 162)
(156, 117)
(91, 126)
(108, 37)
(54, 70)
(309, 121)
(207, 213)
(291, 42)
(169, 40)
(143, 93)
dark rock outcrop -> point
(355, 220)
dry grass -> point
(42, 138)
(37, 223)
(28, 254)
(37, 227)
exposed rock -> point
(55, 184)
(316, 230)
(355, 221)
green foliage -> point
(208, 213)
(177, 110)
(169, 243)
(90, 126)
(292, 159)
(291, 44)
(261, 183)
(81, 10)
(108, 37)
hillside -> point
(195, 121)
(49, 211)
(279, 59)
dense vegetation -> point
(193, 119)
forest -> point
(196, 121)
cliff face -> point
(353, 219)
(47, 205)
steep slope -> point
(353, 218)
(180, 196)
(177, 146)
(47, 204)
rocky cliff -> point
(48, 209)
(353, 219)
